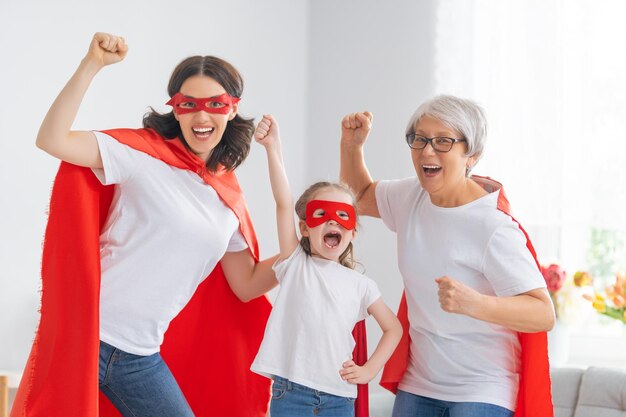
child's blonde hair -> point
(347, 257)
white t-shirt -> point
(455, 357)
(309, 333)
(165, 232)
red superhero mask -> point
(332, 209)
(219, 104)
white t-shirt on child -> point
(165, 232)
(455, 357)
(309, 332)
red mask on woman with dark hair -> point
(219, 104)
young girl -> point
(307, 347)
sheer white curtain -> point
(551, 75)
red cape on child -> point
(534, 397)
(209, 346)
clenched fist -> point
(266, 132)
(355, 127)
(106, 49)
(456, 297)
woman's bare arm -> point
(55, 136)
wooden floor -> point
(4, 396)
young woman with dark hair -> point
(234, 145)
(174, 212)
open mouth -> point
(431, 169)
(203, 133)
(332, 239)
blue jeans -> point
(140, 386)
(411, 405)
(294, 400)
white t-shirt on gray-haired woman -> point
(455, 357)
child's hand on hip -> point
(356, 374)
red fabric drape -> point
(534, 397)
(209, 345)
(361, 406)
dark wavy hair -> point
(234, 146)
(347, 257)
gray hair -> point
(462, 115)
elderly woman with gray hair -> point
(475, 305)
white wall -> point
(42, 42)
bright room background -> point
(548, 73)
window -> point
(551, 76)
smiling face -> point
(441, 174)
(329, 239)
(203, 130)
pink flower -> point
(554, 276)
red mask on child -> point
(183, 104)
(331, 208)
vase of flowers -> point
(558, 337)
(568, 295)
(612, 303)
(555, 277)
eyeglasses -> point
(439, 143)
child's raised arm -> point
(267, 134)
(392, 332)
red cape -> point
(534, 397)
(209, 346)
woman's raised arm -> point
(355, 128)
(55, 136)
